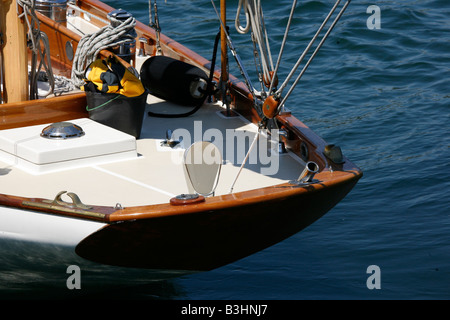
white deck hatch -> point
(27, 150)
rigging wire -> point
(245, 159)
(244, 73)
(302, 56)
(35, 37)
(316, 50)
(283, 43)
(255, 22)
(154, 23)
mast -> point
(14, 53)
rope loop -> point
(91, 44)
(237, 22)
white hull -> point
(44, 228)
(37, 254)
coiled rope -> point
(91, 44)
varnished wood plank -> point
(15, 65)
(27, 113)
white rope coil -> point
(90, 45)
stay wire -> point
(235, 54)
(283, 43)
(302, 56)
(35, 36)
(315, 51)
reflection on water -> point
(40, 271)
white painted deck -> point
(157, 174)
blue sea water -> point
(383, 95)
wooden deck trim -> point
(96, 213)
(28, 113)
(245, 198)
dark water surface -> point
(383, 95)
